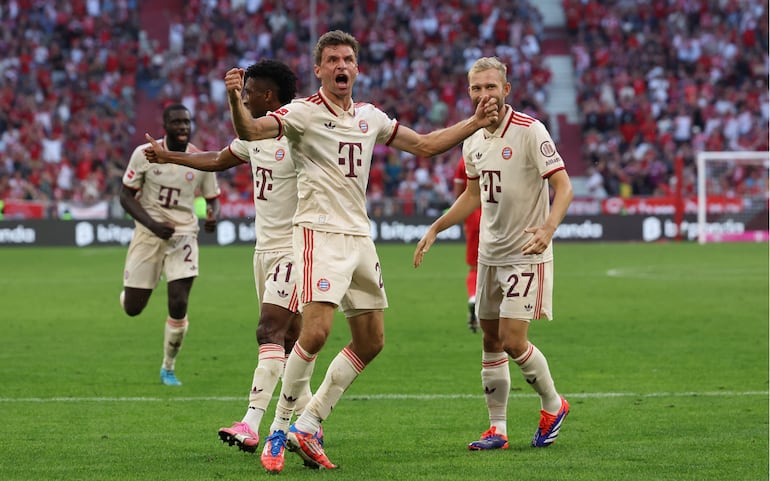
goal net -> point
(733, 196)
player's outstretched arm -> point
(207, 161)
(464, 206)
(438, 141)
(247, 127)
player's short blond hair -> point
(487, 63)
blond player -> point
(510, 166)
(161, 200)
(332, 139)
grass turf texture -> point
(662, 351)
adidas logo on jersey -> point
(283, 293)
(330, 125)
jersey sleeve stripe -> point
(280, 124)
(393, 135)
(243, 161)
(551, 172)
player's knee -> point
(132, 310)
(269, 333)
(177, 308)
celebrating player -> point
(268, 85)
(331, 139)
(166, 235)
(510, 165)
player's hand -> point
(540, 240)
(210, 225)
(164, 230)
(154, 153)
(234, 82)
(487, 111)
(424, 246)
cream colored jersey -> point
(512, 165)
(332, 149)
(168, 190)
(275, 190)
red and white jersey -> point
(512, 165)
(168, 190)
(275, 190)
(332, 149)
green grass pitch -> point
(661, 349)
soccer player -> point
(471, 228)
(510, 166)
(268, 85)
(331, 139)
(161, 199)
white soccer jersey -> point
(513, 165)
(168, 190)
(275, 190)
(332, 149)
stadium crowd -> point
(656, 81)
(660, 81)
(69, 82)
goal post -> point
(733, 196)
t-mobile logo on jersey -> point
(263, 182)
(492, 184)
(351, 160)
(169, 196)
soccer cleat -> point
(309, 449)
(242, 435)
(550, 424)
(473, 322)
(490, 440)
(168, 378)
(273, 452)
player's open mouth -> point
(183, 137)
(342, 80)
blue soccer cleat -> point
(550, 424)
(168, 378)
(490, 440)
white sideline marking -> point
(387, 397)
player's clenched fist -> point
(234, 80)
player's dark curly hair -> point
(279, 74)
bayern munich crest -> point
(363, 126)
(280, 154)
(507, 153)
(323, 285)
(189, 176)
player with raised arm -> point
(510, 166)
(268, 85)
(161, 200)
(332, 139)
